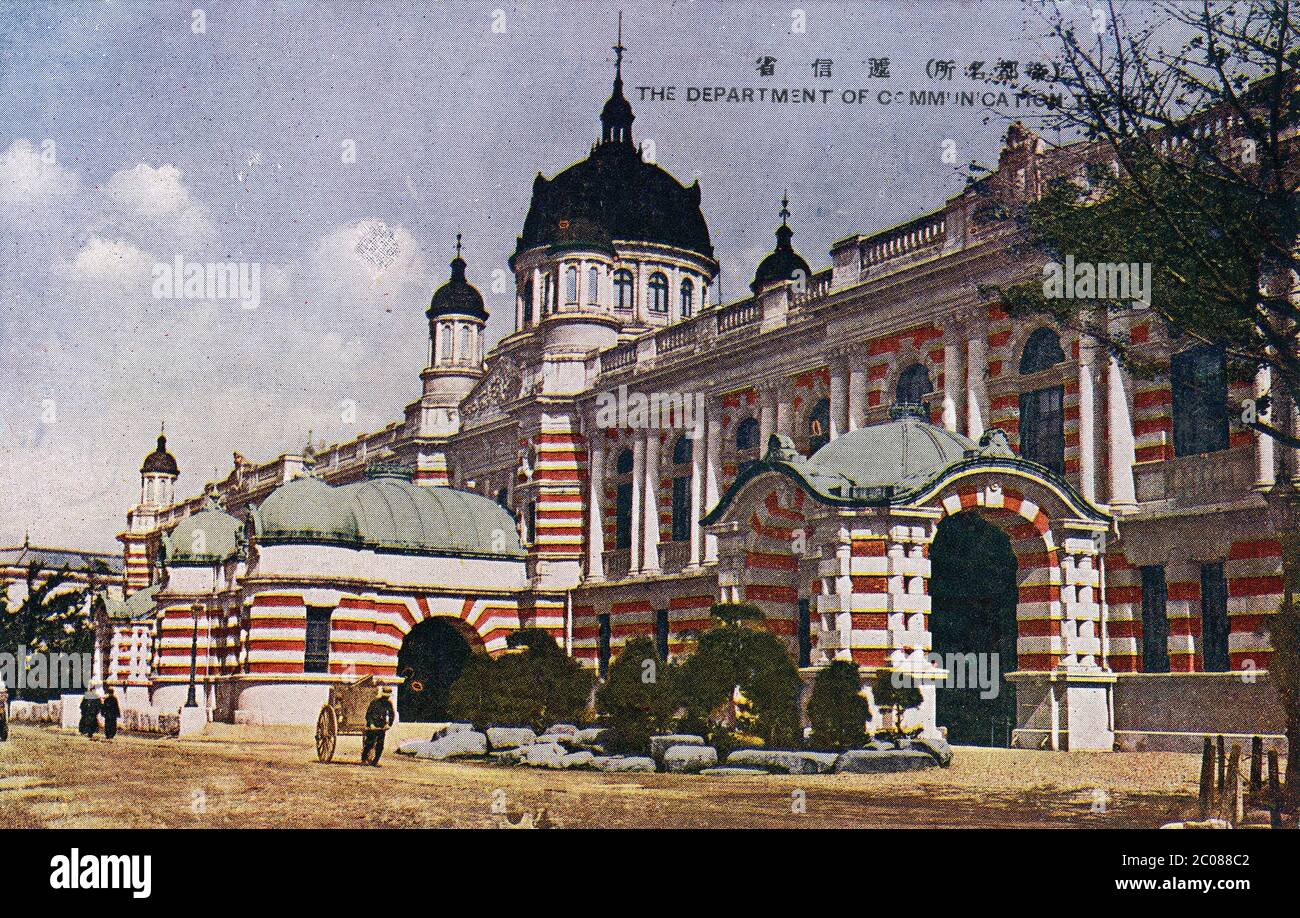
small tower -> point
(783, 263)
(158, 476)
(457, 318)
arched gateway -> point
(850, 532)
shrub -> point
(637, 699)
(896, 696)
(740, 653)
(837, 710)
(533, 684)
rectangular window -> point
(805, 633)
(602, 645)
(623, 517)
(1042, 428)
(681, 508)
(1199, 385)
(1155, 621)
(661, 633)
(1214, 619)
(316, 659)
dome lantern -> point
(784, 263)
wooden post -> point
(1223, 765)
(1256, 766)
(1274, 791)
(1232, 801)
(1207, 778)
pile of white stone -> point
(566, 746)
(32, 712)
(132, 720)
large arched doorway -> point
(973, 591)
(431, 659)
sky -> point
(337, 149)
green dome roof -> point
(205, 538)
(304, 510)
(389, 513)
(900, 454)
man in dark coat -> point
(109, 708)
(379, 717)
(89, 725)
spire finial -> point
(618, 51)
(458, 245)
(785, 208)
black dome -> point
(784, 263)
(614, 194)
(621, 197)
(458, 296)
(160, 461)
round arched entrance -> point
(973, 590)
(430, 660)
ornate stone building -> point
(802, 448)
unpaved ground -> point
(264, 777)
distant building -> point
(847, 413)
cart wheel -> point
(327, 731)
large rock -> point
(792, 762)
(510, 737)
(872, 761)
(544, 755)
(580, 759)
(689, 759)
(452, 746)
(441, 730)
(560, 730)
(661, 744)
(732, 771)
(590, 736)
(618, 763)
(936, 746)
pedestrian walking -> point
(111, 712)
(89, 724)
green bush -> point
(740, 653)
(897, 697)
(533, 684)
(837, 711)
(637, 699)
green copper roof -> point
(140, 603)
(202, 539)
(387, 513)
(892, 464)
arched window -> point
(528, 302)
(624, 296)
(593, 286)
(913, 386)
(548, 294)
(571, 286)
(688, 298)
(683, 451)
(1042, 350)
(444, 332)
(623, 501)
(465, 355)
(747, 434)
(658, 292)
(819, 426)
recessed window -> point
(623, 289)
(1042, 427)
(1155, 620)
(571, 286)
(1042, 350)
(1214, 619)
(602, 644)
(683, 450)
(658, 292)
(623, 502)
(1198, 380)
(913, 386)
(747, 434)
(687, 298)
(528, 303)
(819, 426)
(316, 658)
(593, 286)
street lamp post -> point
(191, 701)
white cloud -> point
(111, 261)
(31, 176)
(161, 199)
